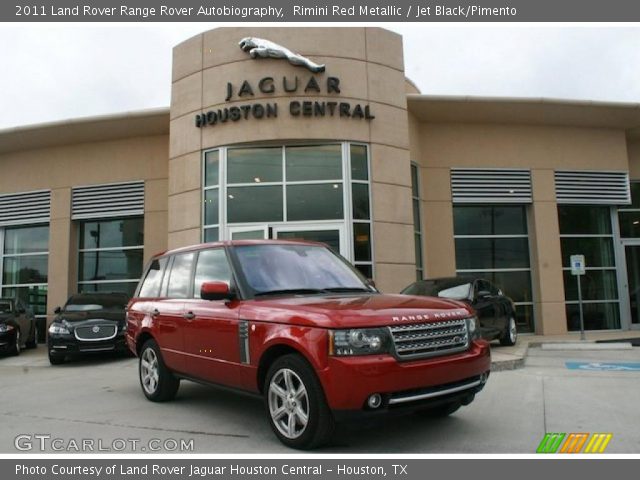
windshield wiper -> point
(348, 289)
(293, 291)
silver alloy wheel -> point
(149, 371)
(288, 403)
(513, 332)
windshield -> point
(303, 268)
(450, 288)
(5, 306)
(89, 303)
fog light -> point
(483, 378)
(374, 401)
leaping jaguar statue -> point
(259, 47)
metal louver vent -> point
(25, 208)
(592, 187)
(487, 185)
(110, 200)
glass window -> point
(34, 296)
(151, 285)
(597, 251)
(580, 219)
(318, 162)
(211, 168)
(254, 165)
(25, 269)
(212, 266)
(492, 242)
(490, 253)
(124, 232)
(108, 287)
(597, 316)
(315, 202)
(490, 220)
(110, 265)
(595, 285)
(360, 199)
(362, 242)
(211, 207)
(629, 224)
(254, 204)
(180, 277)
(211, 234)
(26, 240)
(359, 163)
(417, 223)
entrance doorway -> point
(632, 260)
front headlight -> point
(4, 328)
(473, 328)
(359, 341)
(58, 329)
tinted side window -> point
(212, 267)
(151, 284)
(180, 276)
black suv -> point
(18, 327)
(88, 323)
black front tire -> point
(56, 358)
(33, 341)
(157, 381)
(17, 345)
(510, 335)
(320, 423)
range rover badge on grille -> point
(95, 329)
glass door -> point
(332, 234)
(632, 258)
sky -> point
(57, 72)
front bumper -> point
(349, 381)
(7, 340)
(69, 345)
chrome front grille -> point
(419, 340)
(96, 332)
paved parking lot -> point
(100, 399)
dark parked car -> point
(88, 323)
(495, 311)
(18, 328)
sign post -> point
(578, 269)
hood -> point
(348, 311)
(5, 316)
(76, 317)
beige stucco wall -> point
(633, 149)
(369, 64)
(438, 147)
(59, 168)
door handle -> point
(189, 315)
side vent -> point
(25, 208)
(109, 200)
(243, 335)
(490, 185)
(592, 187)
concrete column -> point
(544, 235)
(155, 217)
(62, 248)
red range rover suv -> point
(296, 323)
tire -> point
(17, 346)
(442, 410)
(56, 358)
(157, 382)
(292, 392)
(33, 341)
(510, 335)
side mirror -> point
(216, 291)
(482, 294)
(371, 282)
(57, 310)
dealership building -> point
(333, 143)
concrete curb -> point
(511, 362)
(587, 346)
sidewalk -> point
(510, 358)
